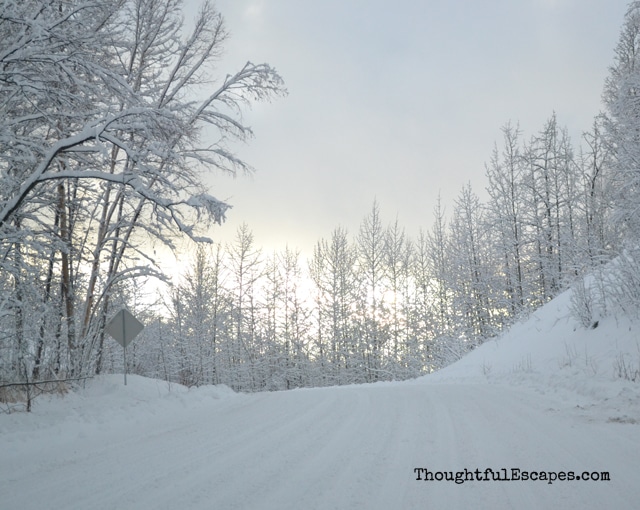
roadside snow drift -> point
(539, 406)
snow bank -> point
(105, 400)
(552, 353)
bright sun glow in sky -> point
(399, 101)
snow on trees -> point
(110, 121)
(622, 125)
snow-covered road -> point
(335, 448)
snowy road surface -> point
(335, 448)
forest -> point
(101, 155)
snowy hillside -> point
(541, 398)
(554, 355)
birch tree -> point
(622, 125)
(111, 120)
(372, 272)
(287, 323)
(506, 218)
(596, 163)
(473, 282)
(245, 270)
(553, 183)
(200, 308)
(332, 271)
(404, 352)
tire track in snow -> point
(351, 447)
(512, 431)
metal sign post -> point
(124, 327)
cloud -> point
(401, 102)
(554, 5)
(254, 10)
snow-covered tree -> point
(200, 312)
(286, 324)
(621, 98)
(332, 270)
(600, 236)
(111, 119)
(372, 272)
(505, 217)
(245, 271)
(472, 272)
(621, 92)
(404, 351)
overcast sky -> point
(399, 101)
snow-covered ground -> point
(543, 398)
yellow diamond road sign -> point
(124, 327)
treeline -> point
(378, 305)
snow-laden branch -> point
(95, 131)
(203, 201)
